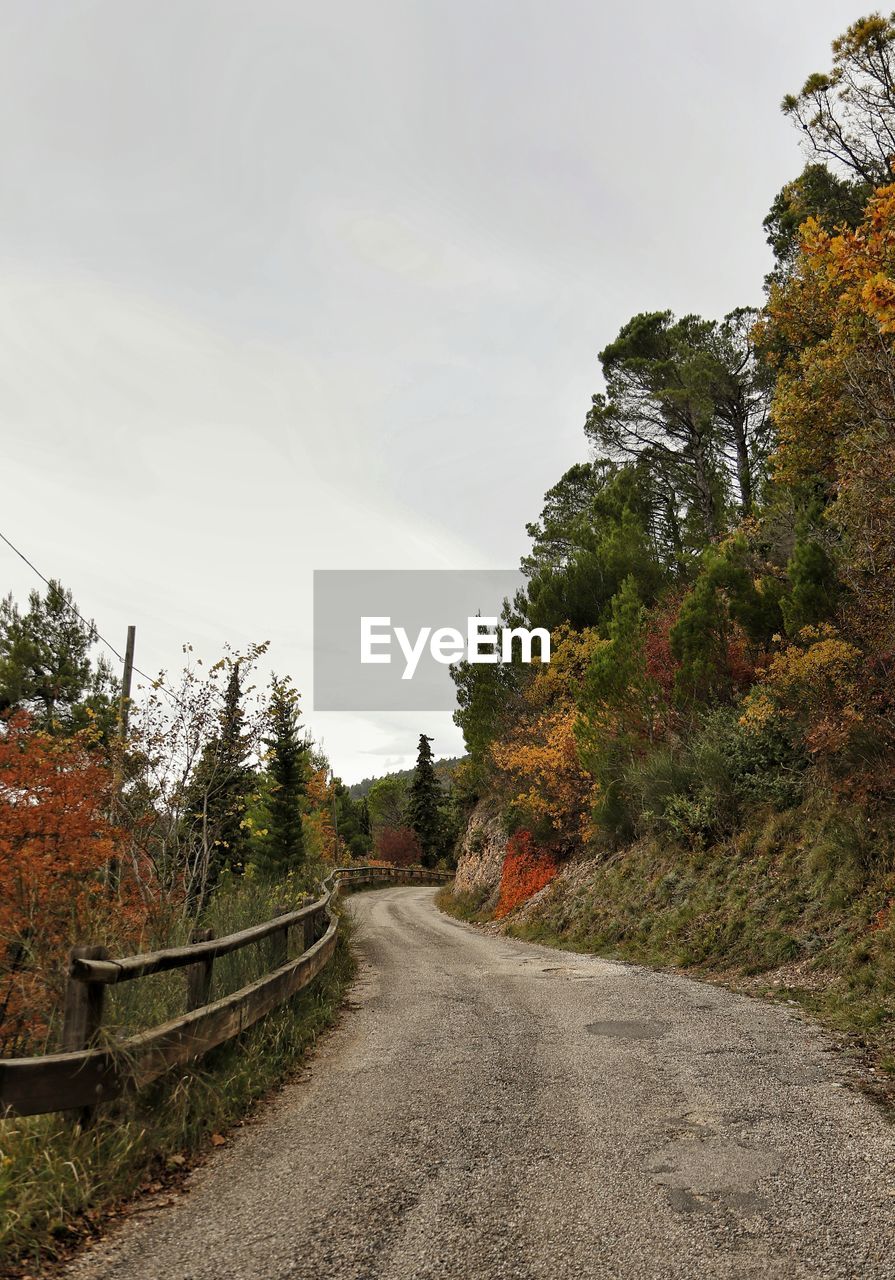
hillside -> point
(444, 770)
(702, 776)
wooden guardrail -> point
(85, 1074)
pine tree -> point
(46, 667)
(424, 804)
(812, 578)
(219, 793)
(281, 848)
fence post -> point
(279, 942)
(301, 936)
(83, 1013)
(199, 975)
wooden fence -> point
(86, 1074)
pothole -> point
(628, 1030)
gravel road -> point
(491, 1108)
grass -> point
(465, 906)
(57, 1180)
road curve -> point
(496, 1109)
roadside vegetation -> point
(413, 815)
(703, 774)
(205, 807)
(60, 1183)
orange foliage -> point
(526, 869)
(320, 834)
(832, 327)
(540, 759)
(660, 664)
(55, 841)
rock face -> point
(481, 854)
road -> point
(491, 1108)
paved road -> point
(495, 1109)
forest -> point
(703, 773)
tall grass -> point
(57, 1179)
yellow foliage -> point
(539, 761)
(814, 684)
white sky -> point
(287, 286)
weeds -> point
(57, 1179)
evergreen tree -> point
(45, 664)
(219, 794)
(281, 848)
(424, 804)
(812, 577)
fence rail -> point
(86, 1074)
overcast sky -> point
(290, 286)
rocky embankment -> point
(480, 858)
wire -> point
(153, 680)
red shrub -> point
(55, 842)
(526, 869)
(398, 846)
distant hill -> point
(443, 769)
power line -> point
(89, 624)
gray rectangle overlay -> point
(411, 600)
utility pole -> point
(113, 871)
(127, 677)
(332, 783)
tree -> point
(386, 803)
(487, 696)
(600, 524)
(658, 407)
(730, 615)
(535, 764)
(830, 328)
(46, 667)
(55, 842)
(424, 804)
(847, 115)
(219, 793)
(173, 771)
(281, 847)
(813, 587)
(399, 846)
(353, 817)
(741, 390)
(689, 400)
(617, 703)
(833, 201)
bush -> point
(698, 792)
(398, 846)
(526, 870)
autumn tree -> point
(831, 199)
(55, 842)
(535, 763)
(847, 114)
(830, 327)
(399, 846)
(322, 839)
